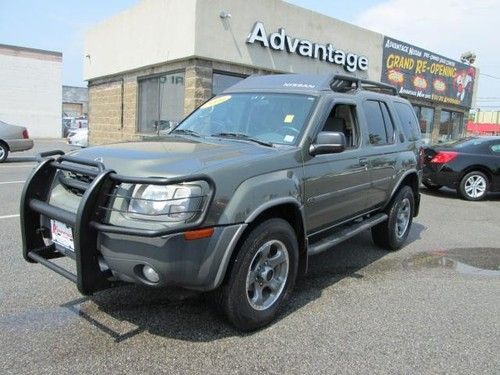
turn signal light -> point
(198, 234)
(443, 157)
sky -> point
(447, 27)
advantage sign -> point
(423, 74)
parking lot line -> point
(11, 182)
(17, 166)
(8, 216)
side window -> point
(389, 125)
(495, 148)
(342, 118)
(409, 122)
(378, 132)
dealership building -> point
(150, 65)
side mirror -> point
(328, 143)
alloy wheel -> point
(403, 217)
(267, 275)
(475, 186)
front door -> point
(336, 185)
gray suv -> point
(237, 197)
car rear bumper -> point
(16, 145)
(440, 175)
(106, 254)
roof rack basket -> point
(342, 83)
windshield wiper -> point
(244, 137)
(185, 131)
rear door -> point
(381, 151)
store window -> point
(222, 81)
(425, 117)
(161, 102)
(451, 126)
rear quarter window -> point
(409, 122)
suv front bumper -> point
(105, 254)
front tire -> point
(392, 233)
(473, 186)
(262, 276)
(4, 152)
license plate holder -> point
(62, 235)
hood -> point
(173, 156)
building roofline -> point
(29, 49)
(76, 87)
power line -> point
(489, 75)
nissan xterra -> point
(236, 197)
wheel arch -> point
(477, 167)
(287, 209)
(5, 143)
(411, 179)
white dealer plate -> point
(62, 235)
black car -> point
(469, 165)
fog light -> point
(150, 274)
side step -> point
(345, 233)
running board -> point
(344, 234)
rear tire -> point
(4, 152)
(473, 186)
(392, 233)
(262, 276)
(431, 186)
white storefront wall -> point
(159, 31)
(30, 90)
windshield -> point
(271, 118)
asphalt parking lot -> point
(432, 307)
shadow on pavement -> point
(189, 316)
(452, 194)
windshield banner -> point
(422, 74)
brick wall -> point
(108, 123)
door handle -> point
(363, 162)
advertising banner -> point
(423, 74)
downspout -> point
(121, 109)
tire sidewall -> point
(395, 241)
(464, 179)
(6, 152)
(240, 309)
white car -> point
(78, 137)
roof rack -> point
(342, 83)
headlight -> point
(166, 202)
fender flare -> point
(398, 185)
(272, 203)
(221, 272)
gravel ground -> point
(432, 307)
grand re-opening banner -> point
(423, 74)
